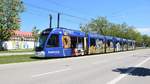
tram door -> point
(78, 45)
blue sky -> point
(133, 12)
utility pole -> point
(50, 21)
(58, 20)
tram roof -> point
(109, 38)
(70, 32)
(118, 39)
(131, 40)
(125, 40)
(95, 35)
(78, 33)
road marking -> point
(114, 81)
(62, 70)
(99, 62)
(105, 61)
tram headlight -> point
(40, 54)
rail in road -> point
(131, 67)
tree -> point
(9, 18)
(84, 28)
(99, 25)
(102, 26)
(146, 40)
(35, 33)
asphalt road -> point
(132, 67)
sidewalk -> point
(17, 53)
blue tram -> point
(131, 44)
(110, 43)
(118, 44)
(95, 43)
(62, 42)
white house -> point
(20, 40)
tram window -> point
(130, 44)
(73, 42)
(108, 43)
(93, 42)
(76, 42)
(111, 45)
(80, 43)
(53, 41)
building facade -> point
(20, 40)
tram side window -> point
(73, 42)
(108, 43)
(130, 44)
(53, 41)
(93, 42)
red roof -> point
(24, 34)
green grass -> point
(18, 58)
(18, 50)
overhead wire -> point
(36, 13)
(65, 6)
(54, 11)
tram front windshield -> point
(42, 39)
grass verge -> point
(15, 51)
(19, 58)
(22, 58)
